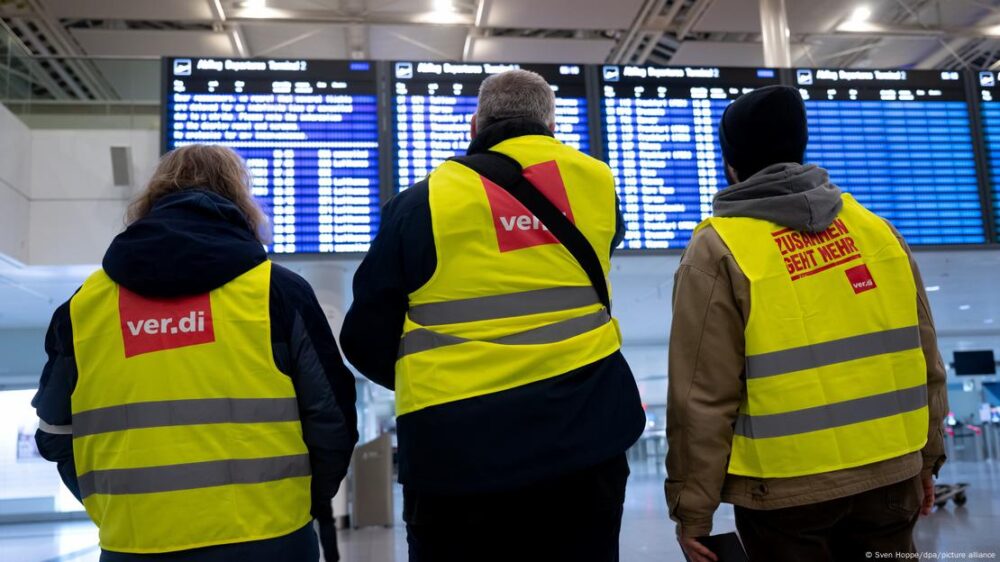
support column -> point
(775, 34)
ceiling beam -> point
(655, 37)
(260, 15)
(289, 42)
(52, 38)
(627, 45)
(868, 29)
(338, 19)
(421, 45)
(356, 39)
(465, 18)
(33, 74)
(692, 16)
(974, 33)
(247, 15)
(845, 52)
(775, 35)
(235, 32)
(948, 48)
(481, 12)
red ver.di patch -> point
(861, 279)
(516, 227)
(150, 325)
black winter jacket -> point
(498, 441)
(190, 243)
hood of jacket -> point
(190, 243)
(797, 196)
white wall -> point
(58, 202)
(75, 207)
(15, 147)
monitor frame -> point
(384, 93)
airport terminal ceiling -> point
(46, 37)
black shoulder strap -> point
(506, 172)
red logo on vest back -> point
(517, 227)
(861, 279)
(150, 325)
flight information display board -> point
(308, 130)
(660, 138)
(989, 111)
(901, 142)
(433, 102)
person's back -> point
(809, 388)
(194, 397)
(514, 402)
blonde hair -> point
(209, 167)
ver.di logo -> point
(861, 279)
(515, 225)
(150, 325)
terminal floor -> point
(647, 535)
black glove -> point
(328, 539)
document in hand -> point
(726, 546)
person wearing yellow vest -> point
(805, 382)
(514, 403)
(194, 398)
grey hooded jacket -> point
(793, 195)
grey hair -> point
(515, 93)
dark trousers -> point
(573, 518)
(858, 527)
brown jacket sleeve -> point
(705, 380)
(937, 389)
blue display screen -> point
(433, 105)
(660, 139)
(901, 142)
(308, 131)
(989, 104)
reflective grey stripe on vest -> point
(423, 340)
(832, 415)
(54, 429)
(189, 476)
(831, 352)
(184, 412)
(503, 306)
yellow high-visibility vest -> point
(508, 304)
(185, 433)
(835, 374)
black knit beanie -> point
(763, 127)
